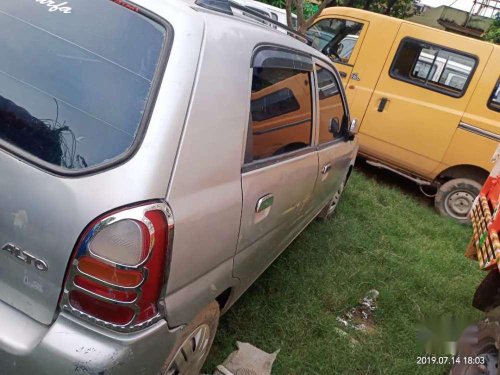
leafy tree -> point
(493, 33)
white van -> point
(275, 13)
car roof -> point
(274, 36)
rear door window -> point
(281, 112)
(75, 80)
(433, 67)
(494, 102)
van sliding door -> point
(423, 91)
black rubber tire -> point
(209, 316)
(445, 191)
(477, 340)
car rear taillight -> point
(118, 270)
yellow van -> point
(428, 101)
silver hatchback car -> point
(155, 158)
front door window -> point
(335, 37)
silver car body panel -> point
(69, 346)
(50, 230)
(191, 155)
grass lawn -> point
(380, 238)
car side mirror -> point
(353, 130)
(334, 126)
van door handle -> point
(264, 202)
(326, 168)
(381, 105)
(342, 74)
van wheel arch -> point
(472, 172)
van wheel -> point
(194, 343)
(478, 350)
(332, 204)
(455, 198)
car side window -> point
(494, 102)
(335, 37)
(433, 67)
(332, 115)
(280, 112)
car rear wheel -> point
(455, 198)
(478, 350)
(194, 343)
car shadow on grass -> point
(393, 180)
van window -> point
(494, 102)
(433, 67)
(74, 86)
(281, 112)
(335, 37)
(332, 114)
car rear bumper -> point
(69, 346)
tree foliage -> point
(493, 33)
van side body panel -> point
(371, 56)
(418, 131)
(468, 146)
(417, 122)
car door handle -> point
(381, 105)
(264, 202)
(342, 74)
(326, 168)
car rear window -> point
(76, 78)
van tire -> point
(455, 197)
(479, 343)
(204, 325)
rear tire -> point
(477, 350)
(455, 197)
(193, 345)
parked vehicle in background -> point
(140, 197)
(428, 100)
(479, 345)
(275, 13)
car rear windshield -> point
(75, 79)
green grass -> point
(379, 238)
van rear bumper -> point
(69, 346)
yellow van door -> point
(340, 38)
(479, 131)
(421, 95)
